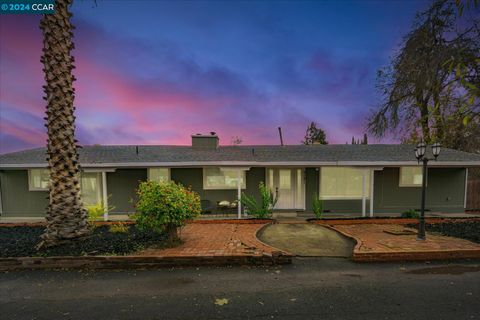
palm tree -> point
(66, 216)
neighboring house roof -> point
(299, 155)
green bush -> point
(317, 206)
(163, 207)
(412, 214)
(264, 209)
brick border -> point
(137, 262)
(387, 221)
(391, 256)
(130, 222)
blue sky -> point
(154, 72)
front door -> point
(289, 184)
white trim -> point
(257, 164)
(105, 195)
(99, 170)
(372, 185)
(466, 187)
(239, 192)
(364, 191)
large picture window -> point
(91, 188)
(38, 179)
(159, 174)
(214, 178)
(410, 177)
(343, 183)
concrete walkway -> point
(307, 240)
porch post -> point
(466, 189)
(239, 193)
(105, 195)
(364, 190)
(372, 180)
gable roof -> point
(304, 155)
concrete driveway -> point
(307, 240)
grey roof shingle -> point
(120, 154)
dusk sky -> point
(155, 72)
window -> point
(410, 177)
(343, 183)
(214, 178)
(38, 179)
(159, 174)
(91, 188)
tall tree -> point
(66, 216)
(314, 135)
(434, 78)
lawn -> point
(21, 242)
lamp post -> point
(420, 155)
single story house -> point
(367, 179)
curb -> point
(138, 262)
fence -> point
(473, 195)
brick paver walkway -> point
(376, 244)
(211, 240)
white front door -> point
(289, 185)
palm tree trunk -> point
(66, 216)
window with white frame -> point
(91, 188)
(159, 174)
(410, 177)
(38, 179)
(343, 183)
(214, 178)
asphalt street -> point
(311, 288)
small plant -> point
(164, 207)
(411, 214)
(317, 206)
(119, 227)
(95, 212)
(264, 209)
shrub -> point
(95, 212)
(412, 214)
(317, 206)
(119, 227)
(263, 209)
(163, 207)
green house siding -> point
(193, 177)
(445, 191)
(121, 186)
(17, 200)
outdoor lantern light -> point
(436, 149)
(422, 147)
(417, 155)
(420, 155)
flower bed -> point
(20, 241)
(469, 230)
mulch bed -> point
(21, 241)
(469, 230)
